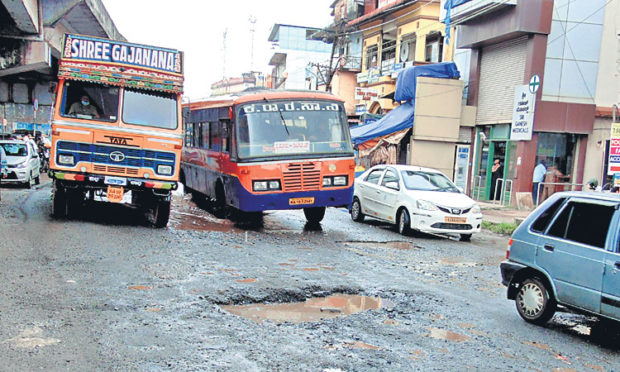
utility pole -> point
(224, 53)
(252, 21)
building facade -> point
(238, 84)
(299, 59)
(559, 51)
(31, 33)
(397, 34)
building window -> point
(407, 48)
(557, 150)
(434, 48)
(371, 56)
(388, 50)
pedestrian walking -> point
(537, 178)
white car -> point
(415, 198)
(23, 163)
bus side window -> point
(199, 135)
(189, 134)
(196, 134)
(214, 134)
(226, 134)
(205, 136)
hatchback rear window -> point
(543, 220)
(583, 223)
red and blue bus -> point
(269, 150)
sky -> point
(196, 27)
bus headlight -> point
(267, 185)
(66, 159)
(327, 181)
(340, 181)
(165, 170)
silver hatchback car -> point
(23, 163)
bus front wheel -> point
(314, 214)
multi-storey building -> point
(298, 57)
(31, 34)
(238, 84)
(544, 64)
(397, 34)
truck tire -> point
(59, 202)
(161, 213)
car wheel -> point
(28, 183)
(535, 302)
(465, 237)
(404, 222)
(356, 211)
(37, 180)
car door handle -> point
(548, 247)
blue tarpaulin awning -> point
(401, 117)
(396, 120)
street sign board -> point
(534, 84)
(523, 114)
(366, 94)
(614, 149)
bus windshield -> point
(270, 129)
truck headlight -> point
(165, 170)
(66, 159)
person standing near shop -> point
(497, 172)
(537, 178)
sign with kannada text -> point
(366, 94)
(97, 50)
(523, 114)
(614, 149)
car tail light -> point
(508, 249)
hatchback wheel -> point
(404, 222)
(356, 211)
(535, 302)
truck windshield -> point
(90, 101)
(150, 108)
(270, 129)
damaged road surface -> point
(110, 293)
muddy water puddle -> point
(401, 245)
(186, 215)
(312, 310)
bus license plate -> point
(116, 181)
(455, 219)
(300, 201)
(115, 194)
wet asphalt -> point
(104, 291)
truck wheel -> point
(161, 213)
(59, 202)
(314, 215)
(535, 302)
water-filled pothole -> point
(312, 310)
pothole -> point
(186, 215)
(311, 310)
(397, 244)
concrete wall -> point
(595, 153)
(437, 109)
(608, 82)
(343, 85)
(433, 154)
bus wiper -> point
(281, 117)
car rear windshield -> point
(14, 149)
(427, 181)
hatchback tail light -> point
(508, 249)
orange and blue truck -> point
(117, 126)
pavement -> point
(497, 213)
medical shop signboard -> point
(614, 149)
(523, 114)
(104, 51)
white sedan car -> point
(415, 198)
